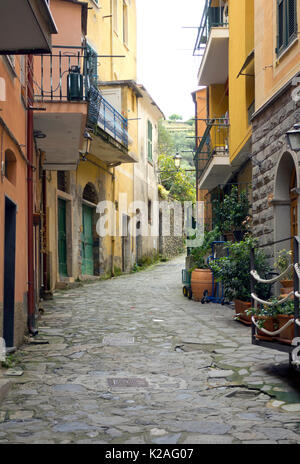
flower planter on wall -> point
(201, 281)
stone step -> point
(4, 388)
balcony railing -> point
(67, 75)
(214, 15)
(62, 75)
(213, 143)
(102, 114)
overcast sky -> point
(166, 66)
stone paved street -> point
(130, 360)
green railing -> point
(214, 15)
(214, 142)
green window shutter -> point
(286, 23)
(150, 154)
(291, 19)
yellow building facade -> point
(96, 105)
(275, 163)
(225, 44)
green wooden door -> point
(87, 241)
(62, 238)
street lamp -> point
(293, 137)
(88, 140)
(177, 160)
(87, 145)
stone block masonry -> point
(269, 145)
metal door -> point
(87, 241)
(62, 238)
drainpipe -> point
(113, 238)
(31, 303)
(45, 263)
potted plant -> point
(201, 278)
(232, 214)
(265, 319)
(234, 273)
(281, 264)
(273, 318)
(285, 314)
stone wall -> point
(171, 244)
(20, 321)
(269, 144)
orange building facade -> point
(36, 26)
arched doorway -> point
(286, 201)
(294, 204)
(89, 238)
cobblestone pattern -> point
(189, 376)
(268, 143)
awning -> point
(248, 60)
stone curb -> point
(5, 386)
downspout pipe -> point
(30, 250)
(44, 235)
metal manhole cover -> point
(118, 340)
(127, 382)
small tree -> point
(180, 185)
(175, 117)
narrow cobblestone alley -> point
(131, 361)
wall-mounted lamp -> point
(87, 146)
(88, 140)
(293, 137)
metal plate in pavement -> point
(127, 382)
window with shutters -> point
(286, 23)
(150, 154)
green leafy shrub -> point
(200, 253)
(233, 212)
(234, 271)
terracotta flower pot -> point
(240, 310)
(287, 283)
(201, 280)
(287, 287)
(268, 324)
(288, 334)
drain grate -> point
(118, 340)
(127, 382)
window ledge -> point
(286, 50)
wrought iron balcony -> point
(67, 75)
(213, 143)
(214, 15)
(103, 115)
(62, 76)
(212, 156)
